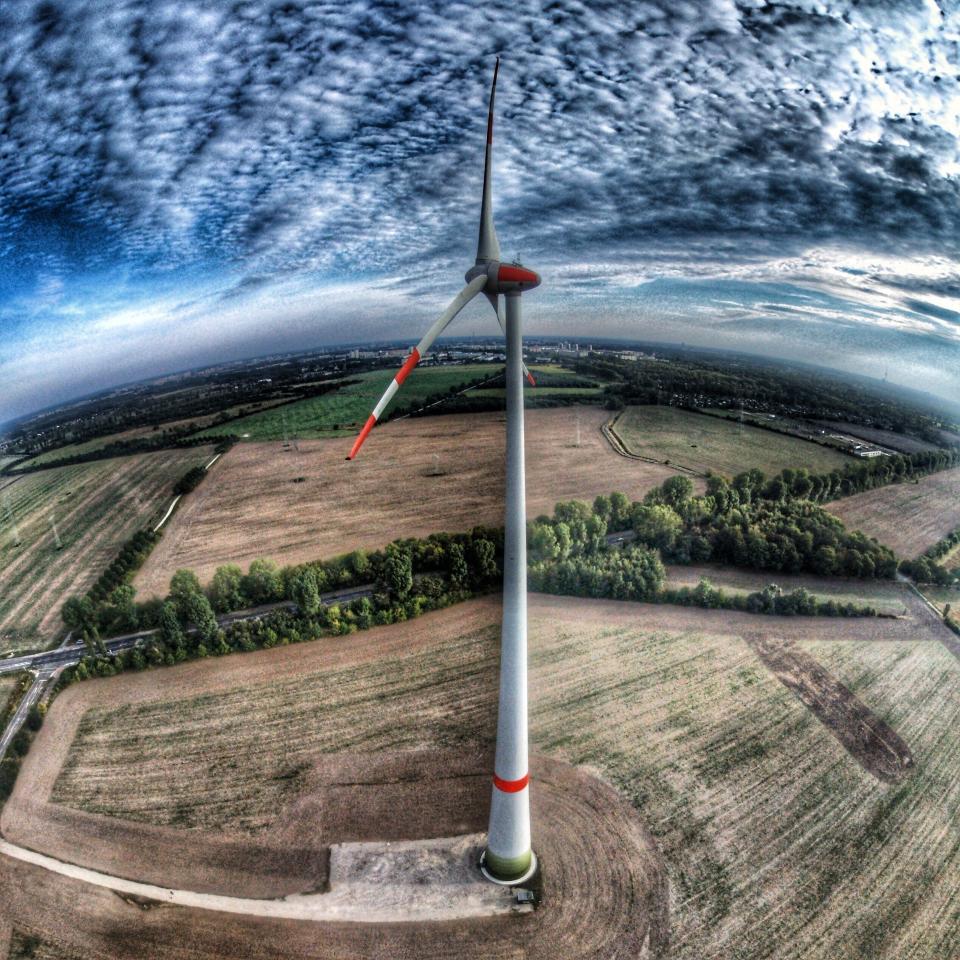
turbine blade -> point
(488, 248)
(456, 305)
(495, 303)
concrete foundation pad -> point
(434, 879)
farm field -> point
(96, 507)
(907, 517)
(704, 443)
(339, 412)
(413, 477)
(885, 595)
(777, 843)
(98, 443)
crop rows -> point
(95, 507)
(777, 843)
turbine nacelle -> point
(504, 278)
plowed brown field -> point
(907, 517)
(776, 841)
(414, 477)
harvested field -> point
(608, 901)
(96, 507)
(414, 477)
(907, 517)
(870, 741)
(702, 443)
(776, 842)
(886, 596)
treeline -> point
(926, 569)
(733, 523)
(109, 606)
(20, 744)
(571, 556)
(189, 481)
(120, 448)
(406, 579)
(458, 400)
(731, 381)
(444, 397)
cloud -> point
(151, 147)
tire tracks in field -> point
(876, 746)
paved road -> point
(65, 656)
(31, 697)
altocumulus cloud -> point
(182, 181)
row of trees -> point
(20, 744)
(725, 525)
(688, 379)
(406, 579)
(926, 569)
(571, 555)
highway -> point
(69, 654)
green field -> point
(348, 407)
(885, 596)
(703, 443)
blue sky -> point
(187, 182)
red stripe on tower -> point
(358, 443)
(511, 786)
(408, 365)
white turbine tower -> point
(508, 857)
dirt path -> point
(870, 741)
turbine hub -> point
(504, 277)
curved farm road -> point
(605, 897)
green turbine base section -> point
(507, 868)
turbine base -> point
(502, 876)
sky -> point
(182, 183)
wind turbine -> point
(508, 858)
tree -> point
(226, 590)
(171, 632)
(602, 507)
(201, 615)
(543, 542)
(183, 585)
(262, 584)
(657, 526)
(398, 572)
(676, 490)
(124, 615)
(485, 559)
(304, 592)
(79, 613)
(359, 564)
(459, 572)
(620, 508)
